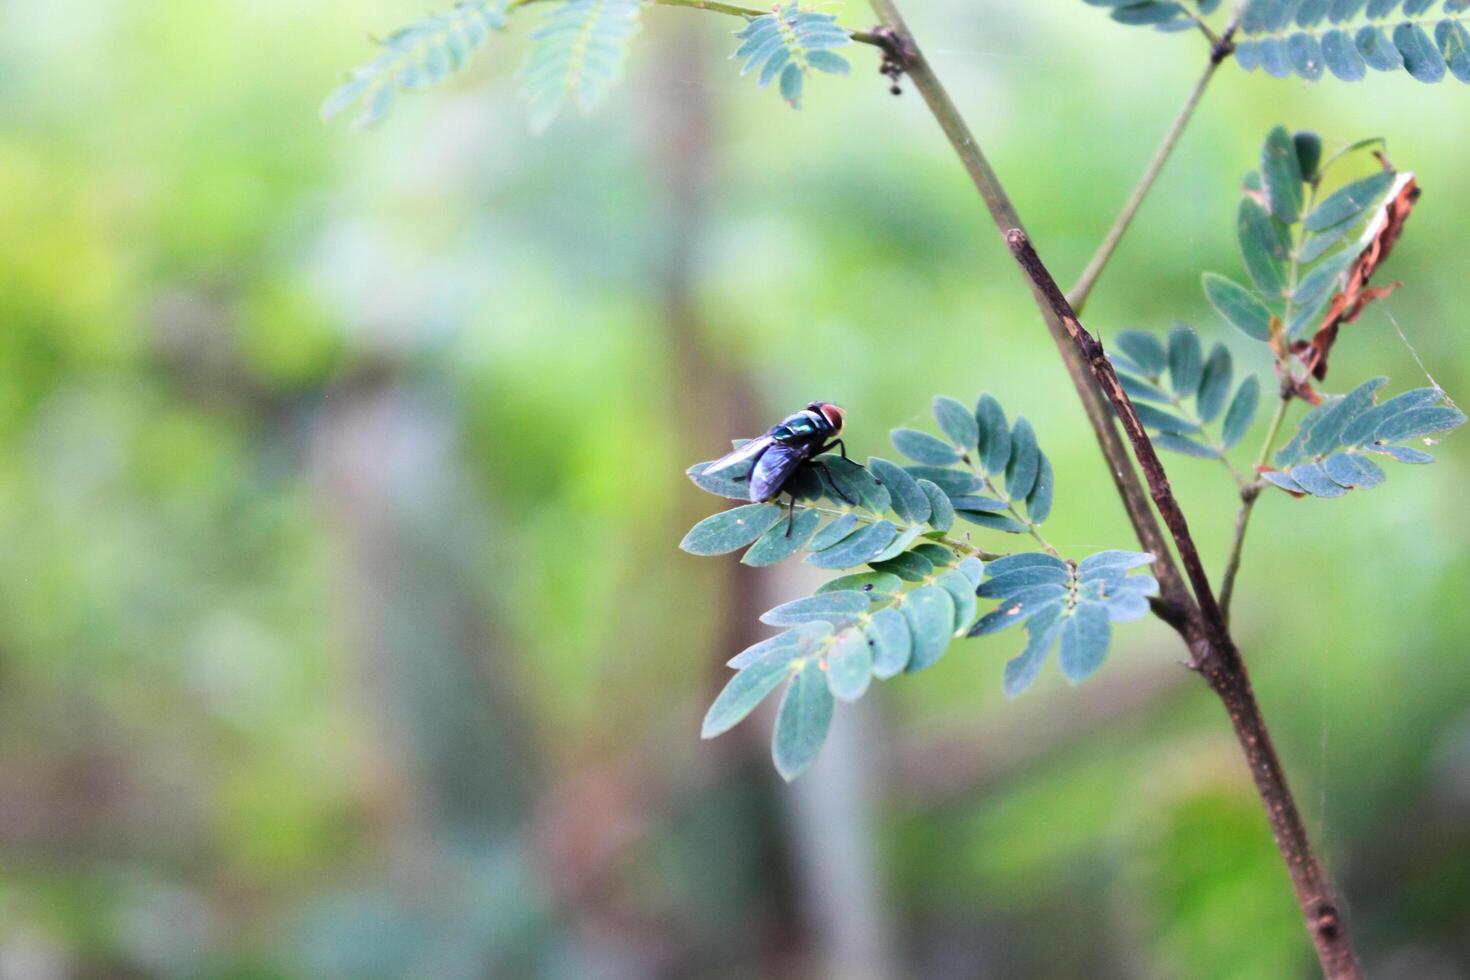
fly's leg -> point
(827, 470)
(791, 515)
(841, 446)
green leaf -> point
(1265, 245)
(1308, 144)
(962, 593)
(1185, 360)
(930, 613)
(827, 607)
(1215, 381)
(856, 549)
(1233, 302)
(909, 501)
(856, 482)
(1028, 559)
(1009, 582)
(941, 511)
(1454, 44)
(1377, 50)
(1418, 422)
(1350, 201)
(1281, 173)
(1353, 471)
(415, 57)
(576, 55)
(777, 545)
(1342, 57)
(1038, 502)
(722, 484)
(1042, 631)
(1183, 444)
(730, 530)
(1153, 418)
(836, 530)
(993, 521)
(801, 639)
(954, 483)
(995, 436)
(892, 645)
(921, 447)
(909, 566)
(1025, 461)
(802, 721)
(1117, 560)
(957, 422)
(1085, 638)
(788, 43)
(1241, 413)
(1422, 59)
(901, 543)
(1143, 349)
(746, 690)
(849, 665)
(882, 583)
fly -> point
(776, 456)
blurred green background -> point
(342, 629)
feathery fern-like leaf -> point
(788, 43)
(417, 56)
(576, 55)
(1426, 38)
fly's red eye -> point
(833, 414)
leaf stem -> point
(1220, 49)
(733, 10)
(1248, 497)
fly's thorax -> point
(803, 425)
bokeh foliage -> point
(199, 765)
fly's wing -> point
(746, 454)
(774, 468)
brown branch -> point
(904, 53)
(1212, 651)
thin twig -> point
(1214, 653)
(1220, 49)
(1248, 497)
(735, 10)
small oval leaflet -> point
(730, 530)
(849, 665)
(930, 614)
(802, 721)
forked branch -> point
(1212, 650)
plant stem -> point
(1248, 495)
(1220, 49)
(734, 10)
(1213, 651)
(1174, 600)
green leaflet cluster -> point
(1178, 392)
(1063, 603)
(911, 586)
(1289, 241)
(414, 57)
(1328, 456)
(1347, 37)
(1164, 15)
(576, 55)
(788, 43)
